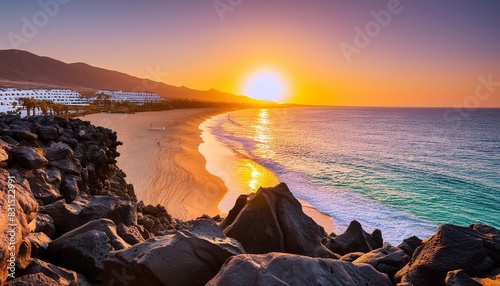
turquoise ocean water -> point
(402, 170)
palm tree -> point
(44, 106)
(66, 109)
(29, 103)
(58, 107)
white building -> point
(134, 97)
(64, 96)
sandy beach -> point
(172, 171)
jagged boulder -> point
(154, 219)
(38, 279)
(62, 276)
(190, 257)
(132, 234)
(55, 211)
(88, 208)
(70, 189)
(58, 151)
(43, 223)
(451, 248)
(49, 132)
(68, 165)
(491, 239)
(41, 187)
(388, 259)
(85, 249)
(410, 244)
(272, 220)
(28, 157)
(25, 135)
(288, 269)
(39, 243)
(23, 256)
(355, 239)
(241, 202)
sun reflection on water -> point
(262, 127)
(253, 176)
(262, 134)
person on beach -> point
(157, 141)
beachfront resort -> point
(11, 99)
(133, 97)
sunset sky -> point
(429, 53)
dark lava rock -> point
(269, 222)
(132, 234)
(28, 157)
(43, 190)
(50, 132)
(55, 211)
(61, 275)
(241, 202)
(355, 239)
(190, 257)
(288, 269)
(410, 244)
(68, 165)
(86, 248)
(451, 248)
(39, 244)
(43, 223)
(388, 259)
(70, 189)
(25, 135)
(23, 256)
(38, 279)
(58, 151)
(89, 208)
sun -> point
(265, 84)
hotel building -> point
(134, 97)
(63, 96)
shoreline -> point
(196, 187)
(228, 165)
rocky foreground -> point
(69, 218)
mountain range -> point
(22, 69)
